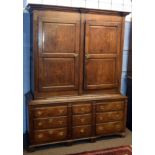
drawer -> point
(82, 109)
(109, 106)
(108, 128)
(82, 131)
(46, 136)
(46, 123)
(109, 116)
(82, 119)
(50, 111)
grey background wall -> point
(126, 67)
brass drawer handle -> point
(101, 118)
(61, 133)
(117, 116)
(82, 120)
(50, 132)
(61, 111)
(39, 113)
(50, 120)
(40, 124)
(100, 128)
(82, 131)
(82, 109)
(40, 136)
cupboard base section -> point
(69, 119)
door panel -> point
(58, 54)
(59, 37)
(103, 39)
(102, 50)
(100, 73)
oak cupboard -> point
(76, 61)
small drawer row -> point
(85, 108)
(52, 135)
(77, 120)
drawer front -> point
(50, 111)
(108, 128)
(82, 109)
(49, 135)
(82, 119)
(109, 106)
(46, 123)
(109, 116)
(82, 131)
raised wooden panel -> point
(100, 73)
(59, 37)
(58, 73)
(103, 39)
(58, 52)
(102, 52)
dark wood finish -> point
(75, 74)
(82, 109)
(82, 119)
(77, 120)
(50, 111)
(49, 135)
(109, 116)
(47, 123)
(33, 7)
(107, 128)
(101, 64)
(81, 131)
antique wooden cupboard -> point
(76, 61)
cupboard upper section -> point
(75, 51)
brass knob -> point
(39, 112)
(40, 124)
(82, 109)
(82, 120)
(40, 135)
(101, 118)
(50, 120)
(61, 133)
(87, 56)
(117, 116)
(50, 132)
(61, 111)
(100, 128)
(82, 131)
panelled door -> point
(102, 54)
(58, 42)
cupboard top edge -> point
(32, 7)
